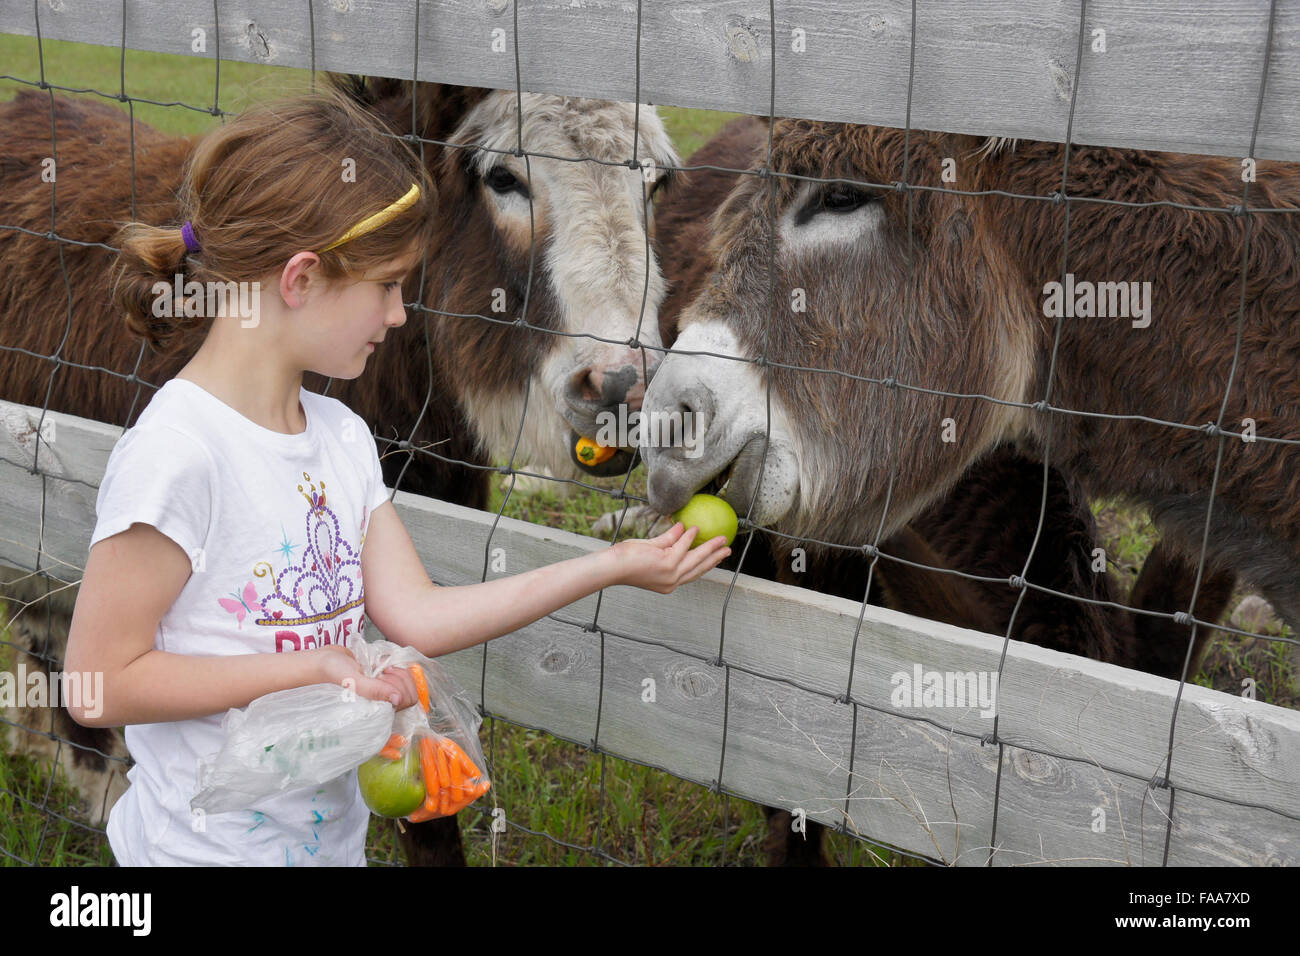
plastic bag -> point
(421, 774)
(306, 736)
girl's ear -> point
(301, 278)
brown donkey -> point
(987, 519)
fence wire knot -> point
(1183, 618)
(988, 739)
(1016, 581)
(1211, 429)
(890, 383)
(870, 550)
(632, 343)
(1057, 198)
(1159, 782)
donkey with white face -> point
(556, 239)
(947, 334)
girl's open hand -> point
(661, 564)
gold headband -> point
(378, 219)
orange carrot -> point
(429, 765)
(444, 770)
(455, 769)
(468, 768)
(455, 806)
(393, 749)
(421, 814)
(421, 685)
(472, 772)
(472, 793)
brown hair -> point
(266, 185)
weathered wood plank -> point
(921, 779)
(1094, 713)
(1174, 75)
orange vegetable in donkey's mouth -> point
(591, 453)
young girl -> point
(227, 560)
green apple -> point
(392, 788)
(712, 515)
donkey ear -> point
(440, 107)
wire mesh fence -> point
(419, 453)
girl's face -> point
(352, 319)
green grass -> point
(151, 76)
(646, 817)
(186, 80)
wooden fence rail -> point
(1174, 75)
(1085, 738)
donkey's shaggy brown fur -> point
(985, 523)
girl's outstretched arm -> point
(410, 609)
(130, 581)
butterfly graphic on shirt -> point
(242, 606)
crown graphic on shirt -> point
(328, 579)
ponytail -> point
(151, 258)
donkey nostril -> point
(587, 384)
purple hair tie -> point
(187, 233)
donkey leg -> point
(1165, 584)
(433, 843)
(784, 847)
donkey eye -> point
(841, 198)
(835, 199)
(502, 180)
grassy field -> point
(646, 817)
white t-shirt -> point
(274, 525)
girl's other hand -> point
(337, 664)
(401, 680)
(661, 564)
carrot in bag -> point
(421, 686)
